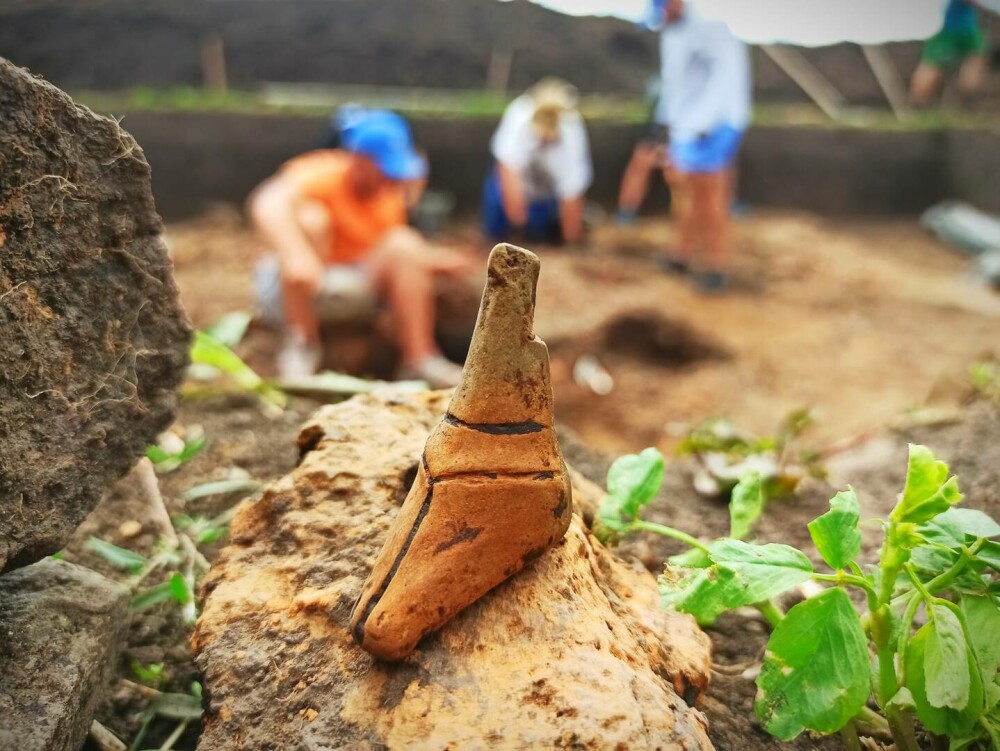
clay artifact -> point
(491, 492)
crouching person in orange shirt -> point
(337, 218)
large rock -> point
(94, 342)
(573, 652)
(60, 629)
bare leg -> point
(682, 207)
(972, 74)
(635, 181)
(710, 197)
(924, 85)
(300, 300)
(407, 281)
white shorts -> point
(347, 291)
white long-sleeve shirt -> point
(705, 77)
(562, 169)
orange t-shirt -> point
(357, 223)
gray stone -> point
(61, 626)
(94, 341)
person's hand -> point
(302, 270)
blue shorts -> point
(543, 224)
(711, 153)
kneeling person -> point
(337, 217)
(543, 168)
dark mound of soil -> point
(652, 337)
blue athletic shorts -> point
(543, 222)
(713, 152)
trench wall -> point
(200, 159)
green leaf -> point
(690, 558)
(928, 491)
(636, 478)
(120, 558)
(230, 329)
(166, 461)
(945, 662)
(179, 589)
(177, 706)
(982, 616)
(815, 671)
(959, 526)
(746, 505)
(836, 532)
(222, 487)
(989, 554)
(763, 571)
(940, 720)
(208, 351)
(153, 673)
(633, 481)
(154, 596)
(740, 574)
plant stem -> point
(771, 611)
(901, 725)
(842, 577)
(872, 723)
(666, 531)
(849, 734)
(168, 744)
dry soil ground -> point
(860, 321)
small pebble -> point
(129, 529)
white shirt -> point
(705, 77)
(561, 169)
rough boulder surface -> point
(94, 342)
(573, 652)
(60, 629)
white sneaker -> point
(438, 372)
(297, 358)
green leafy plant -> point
(170, 455)
(724, 455)
(211, 359)
(178, 555)
(825, 662)
(985, 377)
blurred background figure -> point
(706, 106)
(351, 115)
(543, 168)
(336, 219)
(959, 44)
(648, 156)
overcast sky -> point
(810, 22)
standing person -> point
(543, 168)
(337, 221)
(706, 106)
(960, 44)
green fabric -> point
(948, 49)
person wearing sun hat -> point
(336, 219)
(542, 168)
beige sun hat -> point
(551, 97)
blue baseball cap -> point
(384, 137)
(653, 18)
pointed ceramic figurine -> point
(491, 493)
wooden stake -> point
(809, 79)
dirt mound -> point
(529, 665)
(94, 342)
